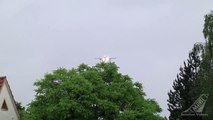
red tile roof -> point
(2, 80)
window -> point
(4, 106)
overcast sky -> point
(149, 38)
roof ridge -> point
(3, 77)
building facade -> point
(8, 109)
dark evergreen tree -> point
(194, 80)
(181, 97)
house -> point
(8, 110)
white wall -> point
(10, 114)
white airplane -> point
(105, 59)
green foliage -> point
(208, 33)
(92, 93)
(181, 97)
(20, 109)
(206, 69)
(202, 80)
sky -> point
(149, 38)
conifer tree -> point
(199, 80)
(180, 98)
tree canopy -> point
(193, 81)
(94, 93)
(181, 97)
(206, 69)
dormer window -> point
(4, 106)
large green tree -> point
(91, 93)
(202, 82)
(205, 75)
(181, 97)
(206, 68)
